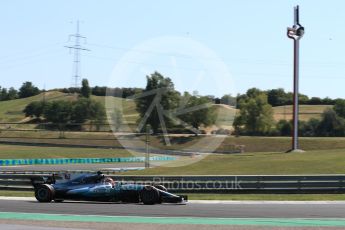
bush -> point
(309, 128)
(284, 127)
(221, 131)
(331, 124)
(339, 107)
(35, 109)
(69, 114)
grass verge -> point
(17, 193)
(311, 162)
(193, 143)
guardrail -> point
(208, 184)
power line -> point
(25, 61)
(273, 62)
(77, 48)
(29, 52)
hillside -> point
(305, 112)
(11, 111)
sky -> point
(213, 47)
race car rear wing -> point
(38, 180)
(55, 178)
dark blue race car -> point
(97, 187)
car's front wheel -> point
(44, 193)
(149, 195)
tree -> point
(315, 101)
(85, 88)
(339, 107)
(34, 109)
(9, 94)
(331, 124)
(284, 127)
(309, 128)
(12, 94)
(58, 112)
(97, 112)
(277, 97)
(227, 99)
(3, 94)
(204, 115)
(253, 92)
(99, 91)
(80, 110)
(166, 95)
(256, 115)
(28, 90)
(303, 99)
(87, 109)
(328, 101)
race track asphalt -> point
(249, 210)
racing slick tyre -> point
(161, 187)
(149, 195)
(44, 193)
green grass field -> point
(252, 144)
(281, 144)
(193, 143)
(305, 112)
(127, 107)
(225, 115)
(311, 162)
(11, 111)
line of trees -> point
(275, 97)
(103, 91)
(63, 112)
(331, 124)
(26, 90)
(256, 118)
(278, 97)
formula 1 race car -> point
(97, 187)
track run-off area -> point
(234, 213)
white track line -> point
(214, 201)
(261, 202)
(17, 198)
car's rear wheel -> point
(44, 193)
(149, 195)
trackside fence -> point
(237, 184)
